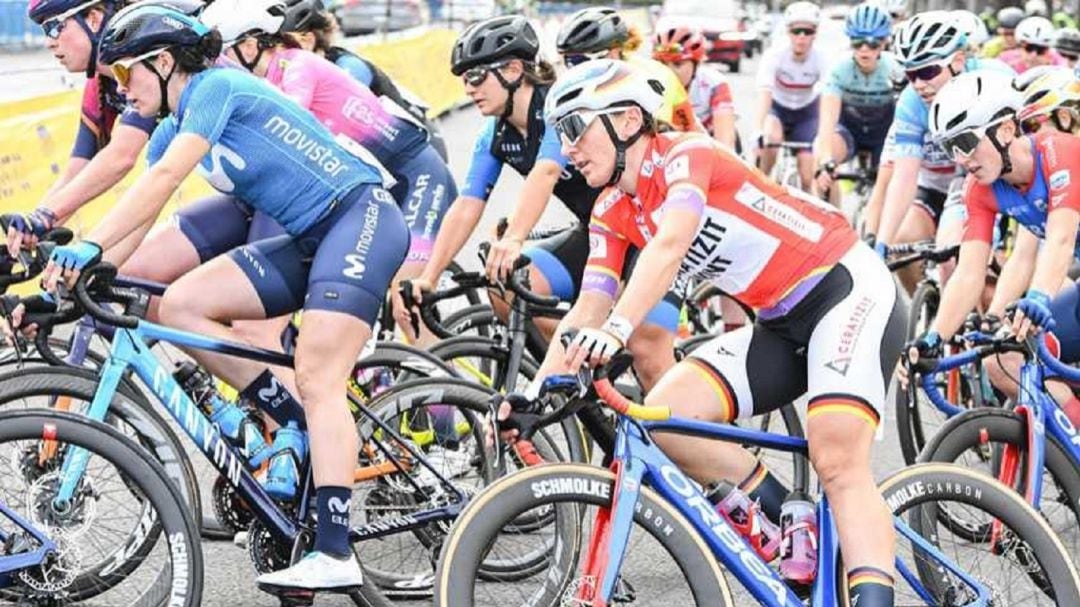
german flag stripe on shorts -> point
(753, 480)
(843, 403)
(719, 385)
(868, 575)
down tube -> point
(726, 543)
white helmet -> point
(236, 19)
(1035, 30)
(602, 84)
(973, 27)
(894, 7)
(970, 101)
(926, 38)
(802, 12)
(1036, 7)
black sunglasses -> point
(1038, 49)
(572, 59)
(477, 75)
(1069, 56)
(925, 73)
(53, 27)
(802, 31)
(873, 43)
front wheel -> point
(122, 487)
(667, 562)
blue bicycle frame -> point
(1033, 403)
(15, 562)
(130, 351)
(637, 461)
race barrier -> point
(36, 134)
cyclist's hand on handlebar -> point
(595, 347)
(824, 176)
(24, 231)
(1032, 312)
(929, 345)
(509, 404)
(403, 316)
(501, 258)
(16, 323)
(66, 262)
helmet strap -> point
(1003, 151)
(163, 82)
(621, 145)
(250, 65)
(511, 88)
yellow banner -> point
(36, 135)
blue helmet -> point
(868, 20)
(145, 27)
(41, 11)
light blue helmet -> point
(868, 20)
(928, 37)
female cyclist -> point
(828, 312)
(977, 118)
(683, 51)
(315, 29)
(1035, 36)
(255, 143)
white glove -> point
(597, 346)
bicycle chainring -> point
(229, 508)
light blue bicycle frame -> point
(638, 460)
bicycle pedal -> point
(290, 597)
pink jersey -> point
(345, 106)
(1014, 58)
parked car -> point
(467, 11)
(718, 20)
(368, 16)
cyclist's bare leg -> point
(838, 152)
(917, 225)
(840, 452)
(773, 133)
(805, 162)
(537, 284)
(653, 348)
(164, 256)
(734, 314)
(267, 334)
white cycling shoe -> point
(317, 572)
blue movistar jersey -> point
(265, 149)
(866, 99)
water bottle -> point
(231, 421)
(798, 554)
(289, 453)
(745, 515)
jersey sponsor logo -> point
(1057, 199)
(604, 204)
(647, 168)
(355, 109)
(597, 246)
(678, 168)
(310, 146)
(779, 213)
(1060, 179)
(416, 198)
(849, 335)
(732, 263)
(216, 174)
(358, 260)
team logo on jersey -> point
(212, 168)
(604, 204)
(597, 246)
(1060, 179)
(779, 213)
(678, 168)
(357, 261)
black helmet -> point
(592, 29)
(492, 40)
(1068, 41)
(1010, 16)
(148, 26)
(304, 16)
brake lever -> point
(7, 306)
(406, 289)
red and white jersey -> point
(756, 240)
(793, 83)
(709, 91)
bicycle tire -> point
(483, 519)
(139, 470)
(152, 432)
(978, 427)
(479, 317)
(921, 484)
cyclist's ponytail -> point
(540, 73)
(194, 59)
(326, 35)
(633, 41)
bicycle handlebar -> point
(103, 274)
(918, 251)
(33, 263)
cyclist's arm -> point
(589, 312)
(829, 115)
(763, 104)
(872, 213)
(964, 288)
(1056, 255)
(458, 224)
(538, 188)
(899, 194)
(766, 76)
(92, 178)
(1016, 273)
(144, 201)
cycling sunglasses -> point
(873, 43)
(572, 59)
(1038, 49)
(925, 73)
(802, 31)
(1069, 56)
(53, 27)
(573, 126)
(965, 142)
(121, 70)
(477, 75)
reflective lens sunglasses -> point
(873, 43)
(121, 70)
(802, 31)
(965, 142)
(1069, 56)
(572, 126)
(572, 59)
(53, 27)
(477, 75)
(925, 73)
(1038, 49)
